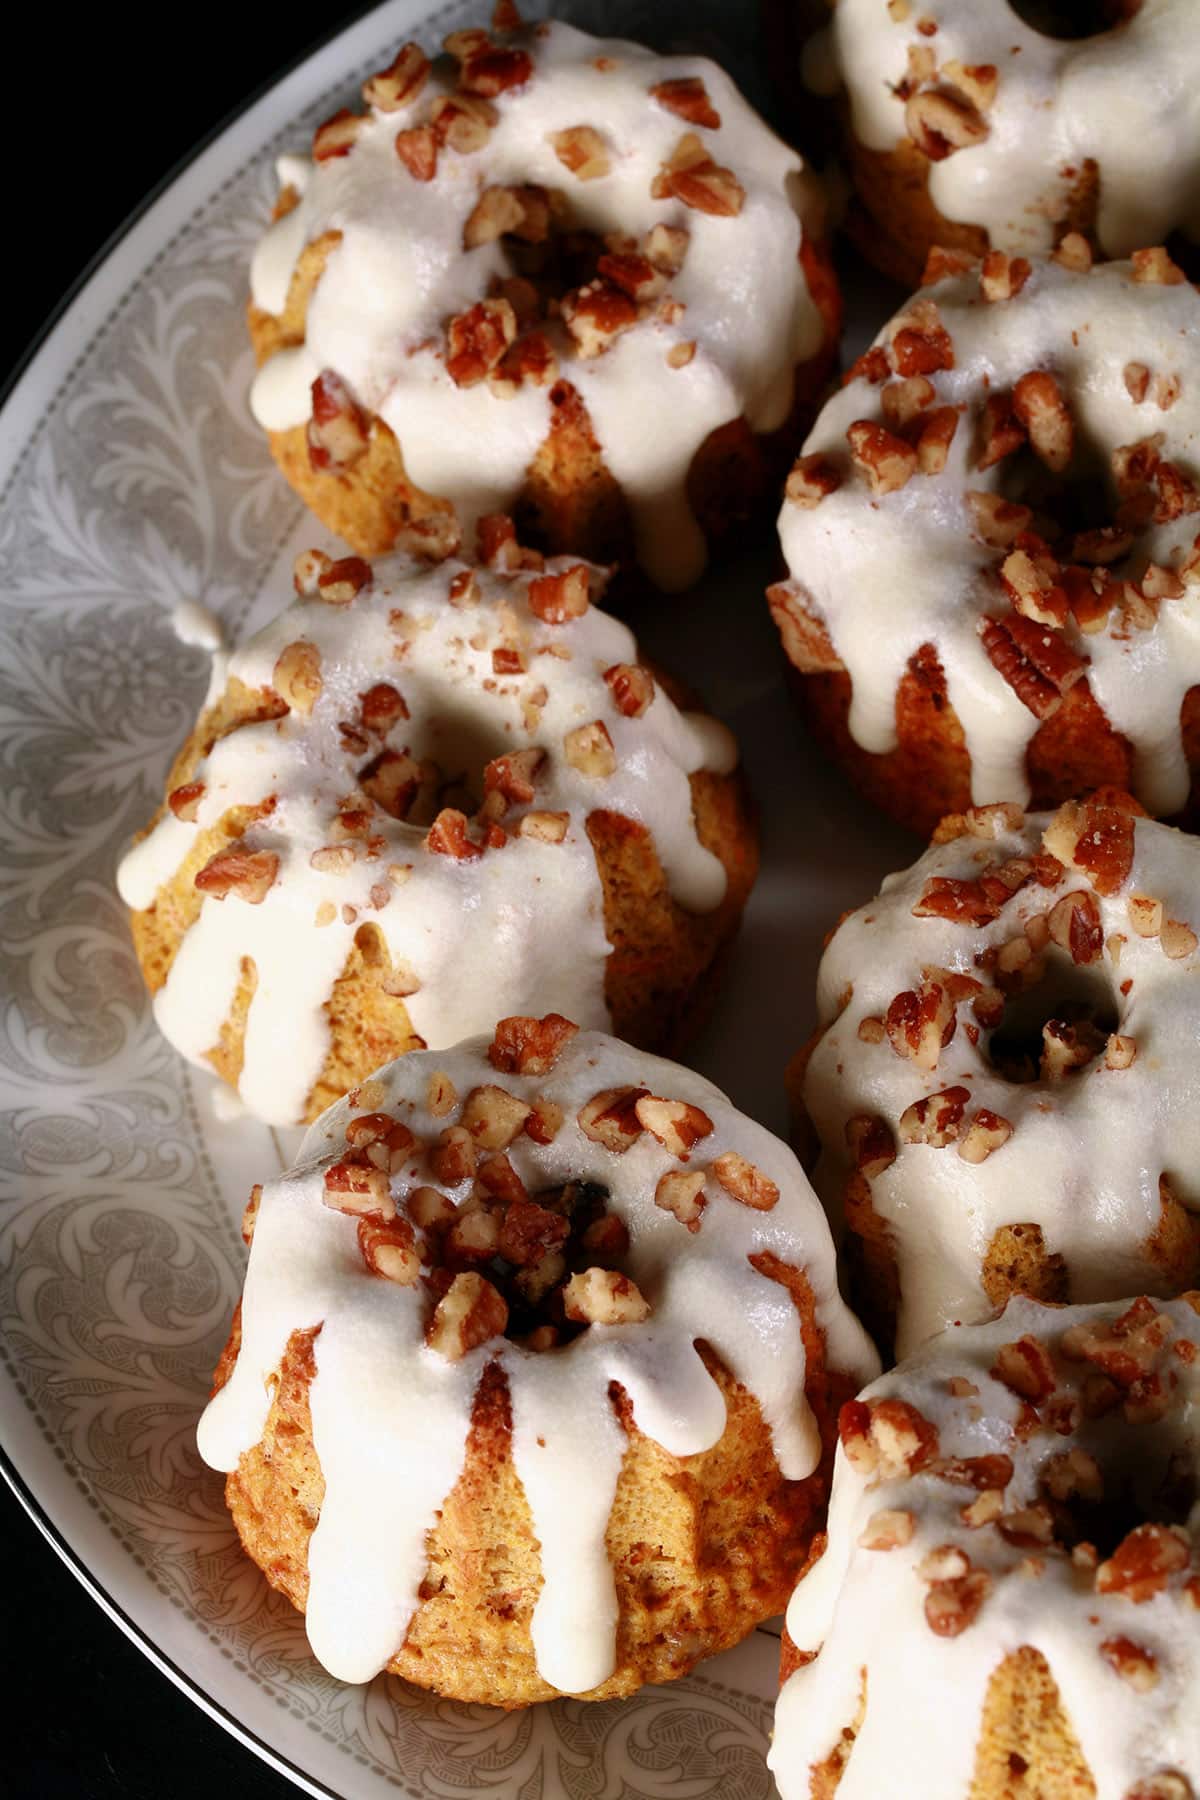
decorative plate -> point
(134, 480)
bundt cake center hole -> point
(1107, 1496)
(528, 1246)
(434, 760)
(1054, 1027)
(1063, 505)
(1071, 19)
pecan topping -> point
(477, 339)
(583, 151)
(811, 480)
(998, 522)
(469, 1313)
(920, 1023)
(602, 1297)
(247, 874)
(887, 461)
(1002, 277)
(447, 836)
(690, 175)
(871, 1144)
(417, 150)
(682, 1193)
(1143, 1561)
(1026, 1368)
(886, 1437)
(390, 1250)
(184, 801)
(338, 432)
(1095, 837)
(1157, 267)
(1132, 1662)
(337, 136)
(940, 122)
(632, 687)
(398, 84)
(589, 749)
(744, 1182)
(936, 1120)
(676, 1124)
(357, 1187)
(889, 1529)
(493, 1117)
(527, 1046)
(556, 599)
(1074, 925)
(1035, 662)
(1041, 406)
(687, 97)
(610, 1118)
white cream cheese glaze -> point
(889, 573)
(1086, 1151)
(390, 1415)
(522, 925)
(400, 273)
(862, 1609)
(1127, 99)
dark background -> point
(101, 105)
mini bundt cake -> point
(547, 274)
(1005, 1079)
(314, 898)
(1008, 1607)
(991, 537)
(983, 124)
(536, 1372)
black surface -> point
(106, 103)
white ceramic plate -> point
(134, 478)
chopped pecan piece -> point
(488, 69)
(390, 1250)
(447, 836)
(1132, 1662)
(1176, 939)
(469, 1313)
(184, 801)
(936, 1120)
(687, 97)
(400, 83)
(529, 1232)
(887, 461)
(247, 874)
(886, 1437)
(493, 1117)
(510, 780)
(904, 401)
(951, 1606)
(357, 1187)
(1041, 406)
(871, 1143)
(632, 687)
(690, 175)
(604, 1297)
(583, 151)
(934, 437)
(338, 432)
(920, 1023)
(1025, 1366)
(987, 1132)
(529, 1046)
(337, 136)
(596, 315)
(744, 1182)
(1143, 1562)
(1074, 924)
(559, 597)
(978, 1472)
(940, 122)
(1034, 660)
(1002, 277)
(676, 1124)
(463, 122)
(417, 149)
(296, 677)
(589, 749)
(1074, 253)
(682, 1192)
(997, 521)
(1157, 267)
(610, 1118)
(547, 827)
(1000, 431)
(889, 1529)
(812, 479)
(477, 339)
